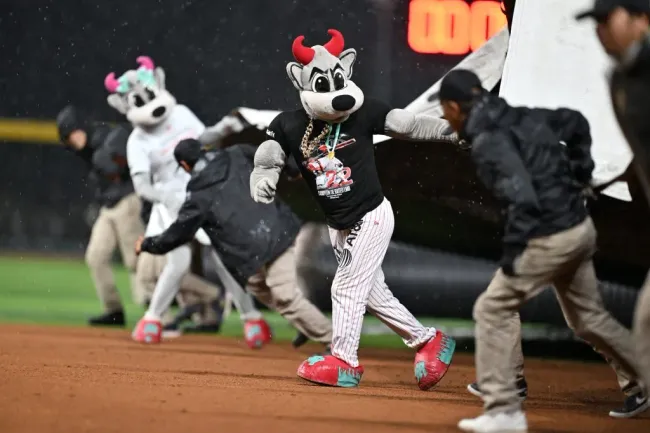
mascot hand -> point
(263, 184)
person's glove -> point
(263, 184)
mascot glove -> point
(263, 184)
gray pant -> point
(628, 384)
(641, 332)
(119, 226)
(563, 260)
(276, 286)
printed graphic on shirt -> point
(333, 178)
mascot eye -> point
(137, 100)
(339, 80)
(150, 94)
(321, 84)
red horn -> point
(302, 53)
(336, 44)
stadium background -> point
(217, 56)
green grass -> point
(60, 292)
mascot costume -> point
(331, 140)
(159, 125)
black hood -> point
(97, 134)
(211, 168)
(489, 112)
(70, 119)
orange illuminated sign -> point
(452, 26)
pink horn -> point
(146, 62)
(111, 83)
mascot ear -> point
(294, 70)
(347, 58)
(159, 74)
(117, 102)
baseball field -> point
(56, 375)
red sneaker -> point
(329, 370)
(257, 333)
(147, 331)
(433, 359)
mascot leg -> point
(149, 329)
(256, 331)
(178, 264)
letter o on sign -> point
(452, 26)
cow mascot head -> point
(323, 76)
(140, 94)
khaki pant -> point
(641, 331)
(119, 226)
(310, 237)
(276, 286)
(564, 260)
(628, 384)
(193, 289)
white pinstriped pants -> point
(359, 285)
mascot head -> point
(322, 75)
(140, 94)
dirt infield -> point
(64, 380)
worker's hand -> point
(138, 245)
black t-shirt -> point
(346, 185)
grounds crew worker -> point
(622, 28)
(538, 163)
(103, 149)
(255, 241)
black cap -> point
(460, 85)
(602, 8)
(188, 150)
(69, 120)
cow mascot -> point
(159, 125)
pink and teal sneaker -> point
(330, 370)
(433, 359)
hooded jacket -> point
(104, 154)
(630, 93)
(247, 235)
(537, 162)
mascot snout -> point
(343, 102)
(159, 112)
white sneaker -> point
(171, 331)
(500, 422)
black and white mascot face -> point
(323, 75)
(140, 94)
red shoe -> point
(329, 370)
(147, 331)
(433, 359)
(257, 333)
